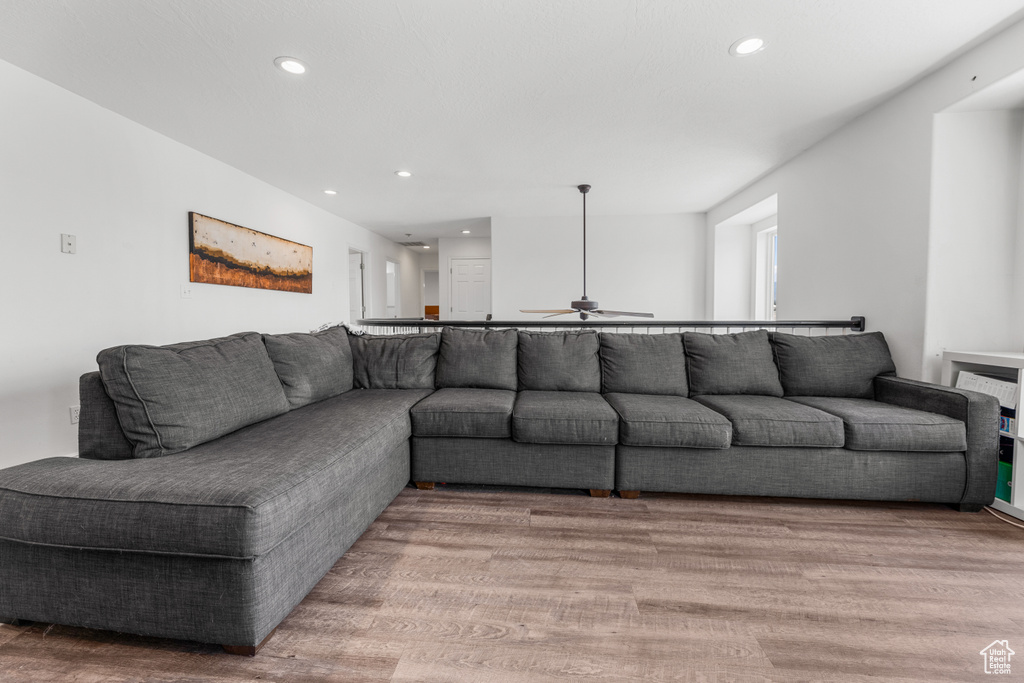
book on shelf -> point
(1005, 449)
(1002, 389)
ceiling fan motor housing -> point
(585, 304)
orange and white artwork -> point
(222, 253)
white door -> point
(356, 307)
(470, 289)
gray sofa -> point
(219, 480)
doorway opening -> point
(393, 289)
(431, 287)
(356, 280)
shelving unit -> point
(1008, 366)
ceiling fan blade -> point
(546, 310)
(557, 313)
(616, 313)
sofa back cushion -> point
(477, 359)
(394, 361)
(843, 366)
(311, 366)
(643, 364)
(100, 436)
(170, 398)
(739, 363)
(559, 361)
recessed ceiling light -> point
(330, 192)
(403, 174)
(465, 232)
(291, 65)
(746, 46)
(426, 246)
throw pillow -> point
(843, 366)
(170, 398)
(643, 364)
(559, 361)
(740, 363)
(311, 366)
(477, 359)
(394, 361)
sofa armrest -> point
(980, 412)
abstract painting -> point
(222, 253)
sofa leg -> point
(969, 507)
(600, 493)
(424, 485)
(629, 494)
(248, 650)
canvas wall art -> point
(222, 253)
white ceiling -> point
(499, 107)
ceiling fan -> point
(585, 307)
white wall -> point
(458, 247)
(649, 264)
(856, 207)
(735, 247)
(69, 166)
(1017, 303)
(974, 226)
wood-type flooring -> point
(530, 587)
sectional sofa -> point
(219, 480)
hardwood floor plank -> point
(9, 632)
(483, 585)
(533, 663)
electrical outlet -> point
(186, 291)
(75, 412)
(68, 244)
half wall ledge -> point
(809, 328)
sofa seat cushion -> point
(238, 496)
(570, 417)
(771, 421)
(874, 426)
(672, 421)
(478, 413)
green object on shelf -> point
(1003, 483)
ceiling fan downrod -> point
(585, 307)
(584, 189)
